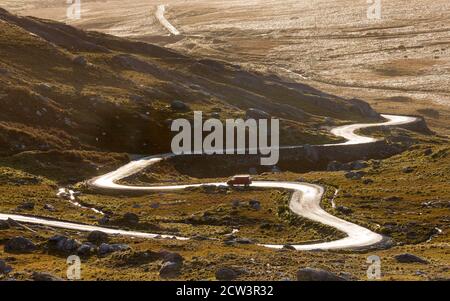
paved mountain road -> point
(305, 200)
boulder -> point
(408, 169)
(355, 175)
(86, 249)
(178, 105)
(19, 244)
(410, 258)
(226, 274)
(171, 257)
(428, 152)
(4, 267)
(170, 269)
(26, 206)
(311, 274)
(63, 244)
(97, 237)
(131, 218)
(105, 248)
(38, 276)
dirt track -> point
(399, 63)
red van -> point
(244, 180)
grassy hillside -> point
(62, 88)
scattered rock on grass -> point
(131, 218)
(352, 175)
(19, 244)
(64, 244)
(26, 206)
(105, 249)
(226, 274)
(171, 257)
(178, 105)
(39, 276)
(86, 249)
(97, 237)
(409, 258)
(170, 269)
(311, 274)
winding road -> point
(159, 14)
(305, 200)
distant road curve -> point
(305, 200)
(160, 10)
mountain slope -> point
(63, 88)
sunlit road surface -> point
(161, 9)
(305, 200)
